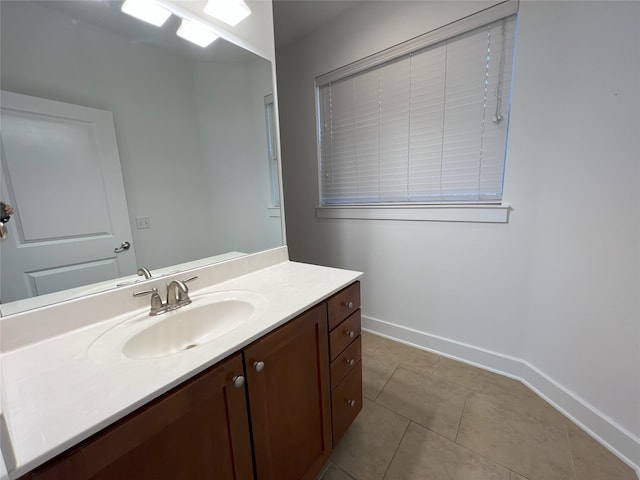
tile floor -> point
(427, 417)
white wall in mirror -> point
(170, 119)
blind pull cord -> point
(497, 118)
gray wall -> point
(552, 296)
(240, 190)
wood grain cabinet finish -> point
(344, 320)
(343, 304)
(279, 422)
(345, 362)
(289, 398)
(344, 334)
(346, 401)
(198, 430)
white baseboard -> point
(614, 437)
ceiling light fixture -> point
(230, 12)
(147, 11)
(196, 32)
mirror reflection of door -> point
(56, 242)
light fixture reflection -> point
(231, 12)
(147, 11)
(197, 33)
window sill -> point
(498, 213)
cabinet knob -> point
(350, 361)
(238, 381)
(259, 366)
(352, 403)
(350, 333)
(348, 304)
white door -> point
(61, 173)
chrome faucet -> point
(144, 272)
(177, 296)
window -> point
(423, 122)
(270, 116)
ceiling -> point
(293, 19)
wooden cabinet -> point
(198, 430)
(345, 362)
(346, 366)
(346, 401)
(289, 398)
(272, 411)
(344, 334)
(343, 304)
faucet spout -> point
(142, 271)
(177, 294)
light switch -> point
(143, 222)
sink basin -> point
(208, 317)
(187, 328)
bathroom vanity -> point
(268, 399)
(258, 377)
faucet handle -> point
(157, 306)
(183, 291)
(145, 292)
(183, 295)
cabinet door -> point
(289, 398)
(199, 430)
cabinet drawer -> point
(346, 402)
(344, 334)
(345, 362)
(343, 304)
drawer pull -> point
(352, 403)
(350, 361)
(350, 333)
(348, 304)
(238, 381)
(259, 366)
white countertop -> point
(55, 395)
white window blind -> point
(427, 126)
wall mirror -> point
(125, 146)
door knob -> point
(123, 246)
